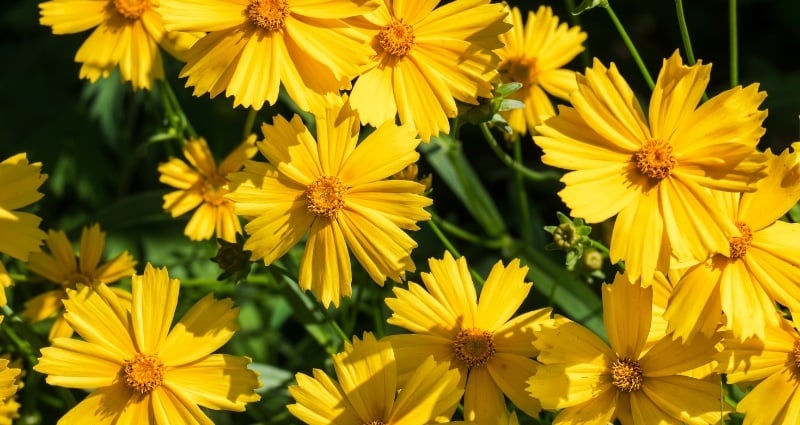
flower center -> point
(375, 422)
(796, 353)
(268, 15)
(523, 70)
(214, 190)
(326, 196)
(74, 278)
(396, 38)
(655, 159)
(739, 244)
(474, 347)
(144, 372)
(626, 374)
(131, 9)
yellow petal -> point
(771, 399)
(21, 235)
(503, 292)
(205, 327)
(219, 381)
(74, 363)
(93, 240)
(690, 400)
(386, 151)
(397, 200)
(103, 406)
(411, 350)
(201, 15)
(43, 305)
(321, 401)
(561, 385)
(325, 265)
(367, 373)
(72, 16)
(695, 306)
(483, 399)
(171, 406)
(516, 336)
(627, 312)
(432, 390)
(155, 297)
(645, 252)
(97, 316)
(419, 311)
(511, 373)
(676, 94)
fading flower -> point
(534, 55)
(203, 185)
(63, 267)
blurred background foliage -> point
(101, 144)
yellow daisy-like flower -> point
(593, 383)
(534, 55)
(142, 371)
(425, 58)
(62, 267)
(20, 181)
(9, 407)
(255, 45)
(335, 190)
(773, 362)
(762, 268)
(10, 383)
(127, 35)
(368, 391)
(202, 184)
(653, 172)
(490, 348)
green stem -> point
(452, 249)
(734, 41)
(522, 196)
(631, 48)
(329, 319)
(598, 246)
(495, 243)
(687, 43)
(174, 111)
(537, 176)
(249, 122)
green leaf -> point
(135, 209)
(446, 157)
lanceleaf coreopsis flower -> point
(336, 191)
(772, 363)
(62, 267)
(368, 391)
(203, 185)
(763, 266)
(593, 383)
(253, 46)
(141, 369)
(491, 349)
(653, 172)
(20, 181)
(534, 55)
(127, 35)
(425, 58)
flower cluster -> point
(706, 266)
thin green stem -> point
(733, 28)
(631, 48)
(174, 111)
(522, 195)
(329, 319)
(494, 243)
(537, 176)
(598, 246)
(249, 122)
(687, 43)
(452, 249)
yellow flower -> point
(20, 181)
(773, 362)
(654, 172)
(140, 370)
(491, 350)
(425, 58)
(10, 383)
(255, 45)
(127, 35)
(201, 183)
(533, 56)
(9, 408)
(334, 190)
(762, 268)
(594, 383)
(62, 267)
(368, 391)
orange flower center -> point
(325, 196)
(522, 70)
(474, 347)
(74, 278)
(396, 38)
(626, 374)
(739, 244)
(796, 353)
(375, 422)
(268, 15)
(655, 159)
(131, 9)
(144, 372)
(214, 190)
